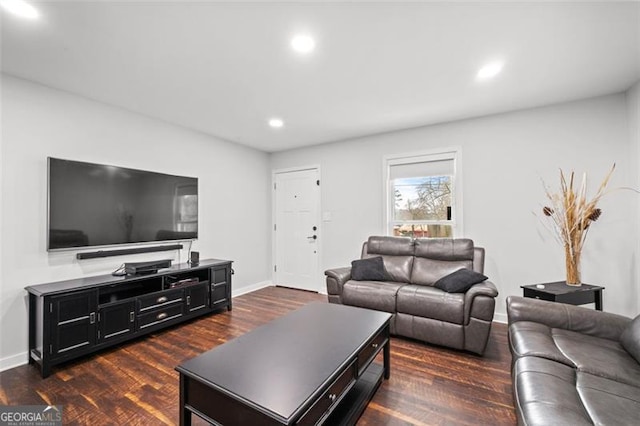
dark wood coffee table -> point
(311, 366)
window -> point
(422, 193)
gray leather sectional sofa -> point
(573, 365)
(422, 311)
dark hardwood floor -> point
(136, 384)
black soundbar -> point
(109, 253)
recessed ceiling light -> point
(276, 123)
(303, 43)
(20, 8)
(490, 70)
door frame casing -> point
(275, 172)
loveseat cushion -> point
(392, 246)
(378, 295)
(630, 338)
(458, 249)
(396, 253)
(428, 271)
(438, 257)
(431, 302)
(398, 267)
(371, 269)
(459, 281)
(546, 394)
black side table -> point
(561, 292)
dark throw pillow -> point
(371, 269)
(459, 281)
(630, 338)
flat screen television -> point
(98, 205)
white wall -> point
(38, 122)
(504, 158)
(633, 108)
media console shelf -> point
(73, 318)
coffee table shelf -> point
(354, 403)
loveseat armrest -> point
(336, 279)
(479, 301)
(569, 317)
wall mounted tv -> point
(98, 205)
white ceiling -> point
(226, 68)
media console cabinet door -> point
(221, 287)
(197, 297)
(74, 322)
(116, 320)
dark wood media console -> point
(73, 318)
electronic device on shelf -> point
(143, 268)
(195, 258)
(183, 282)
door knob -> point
(313, 237)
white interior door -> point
(297, 202)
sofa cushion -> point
(630, 338)
(431, 302)
(546, 394)
(371, 269)
(534, 339)
(597, 356)
(607, 401)
(378, 295)
(459, 281)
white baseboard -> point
(14, 361)
(500, 318)
(251, 288)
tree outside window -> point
(422, 207)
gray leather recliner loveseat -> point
(572, 365)
(422, 311)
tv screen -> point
(98, 205)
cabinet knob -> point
(374, 345)
(332, 397)
(92, 318)
(162, 315)
(162, 299)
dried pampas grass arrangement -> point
(571, 214)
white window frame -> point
(451, 153)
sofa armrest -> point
(336, 279)
(569, 317)
(479, 301)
